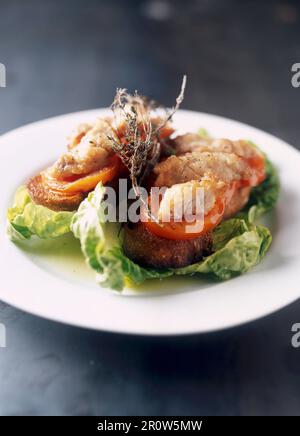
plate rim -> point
(131, 330)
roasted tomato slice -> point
(187, 230)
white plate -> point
(50, 279)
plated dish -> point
(148, 202)
(50, 278)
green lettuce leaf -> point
(26, 219)
(240, 246)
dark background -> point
(64, 56)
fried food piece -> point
(145, 248)
(183, 199)
(91, 152)
(227, 167)
(192, 142)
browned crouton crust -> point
(147, 249)
(42, 194)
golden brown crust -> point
(147, 249)
(42, 194)
(227, 167)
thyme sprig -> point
(179, 100)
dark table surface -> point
(64, 56)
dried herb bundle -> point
(137, 139)
(134, 140)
